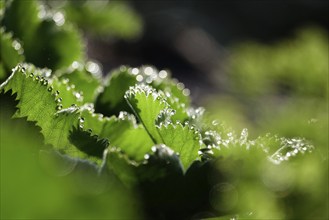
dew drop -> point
(59, 100)
(59, 107)
(94, 68)
(65, 81)
(90, 130)
(75, 65)
(57, 93)
(77, 95)
(122, 68)
(139, 78)
(163, 74)
(59, 18)
(31, 75)
(81, 120)
(50, 89)
(215, 123)
(186, 92)
(148, 71)
(180, 86)
(149, 80)
(135, 71)
(45, 83)
(16, 45)
(37, 78)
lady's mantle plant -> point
(137, 124)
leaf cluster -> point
(137, 124)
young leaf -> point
(173, 91)
(181, 114)
(147, 104)
(184, 140)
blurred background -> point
(261, 65)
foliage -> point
(127, 142)
(292, 67)
(287, 82)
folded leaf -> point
(147, 105)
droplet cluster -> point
(44, 82)
(81, 122)
(290, 148)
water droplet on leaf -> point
(59, 107)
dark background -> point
(192, 38)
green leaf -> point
(69, 95)
(11, 53)
(111, 101)
(121, 166)
(276, 149)
(2, 9)
(37, 102)
(175, 93)
(122, 132)
(87, 143)
(176, 89)
(147, 105)
(57, 47)
(159, 164)
(181, 113)
(105, 18)
(46, 43)
(21, 18)
(87, 84)
(184, 140)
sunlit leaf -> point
(37, 102)
(147, 105)
(184, 140)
